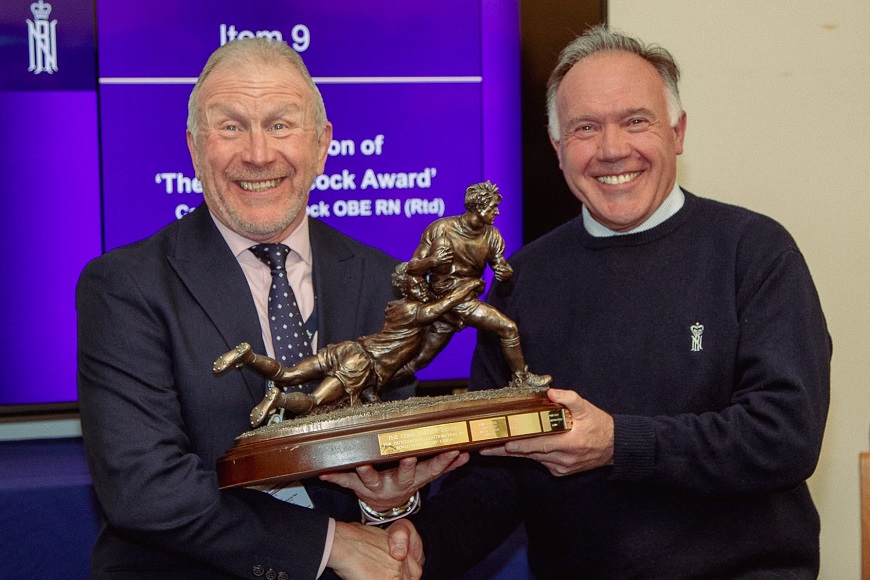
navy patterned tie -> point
(289, 337)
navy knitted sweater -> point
(705, 339)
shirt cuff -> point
(327, 548)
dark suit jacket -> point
(152, 317)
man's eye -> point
(582, 131)
(278, 126)
(231, 128)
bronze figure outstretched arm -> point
(434, 310)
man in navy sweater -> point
(685, 336)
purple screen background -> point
(432, 86)
(49, 166)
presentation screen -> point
(424, 98)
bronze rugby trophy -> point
(342, 423)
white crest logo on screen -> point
(697, 334)
(42, 39)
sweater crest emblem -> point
(697, 336)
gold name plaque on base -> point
(386, 432)
(460, 432)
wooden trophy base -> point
(386, 432)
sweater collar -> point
(666, 227)
(671, 205)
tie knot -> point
(273, 255)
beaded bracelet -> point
(373, 517)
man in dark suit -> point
(153, 316)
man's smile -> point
(618, 179)
(259, 185)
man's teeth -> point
(258, 185)
(618, 179)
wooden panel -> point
(547, 26)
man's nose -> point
(259, 150)
(613, 144)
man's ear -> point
(191, 147)
(558, 147)
(323, 147)
(680, 134)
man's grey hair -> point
(246, 50)
(599, 39)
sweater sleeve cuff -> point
(634, 448)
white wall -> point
(777, 95)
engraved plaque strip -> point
(422, 438)
(524, 424)
(491, 428)
(554, 420)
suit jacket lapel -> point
(336, 270)
(205, 264)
